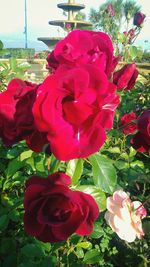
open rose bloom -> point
(76, 104)
(53, 211)
(124, 216)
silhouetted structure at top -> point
(69, 24)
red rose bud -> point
(141, 141)
(125, 77)
(53, 211)
(131, 32)
(128, 124)
(138, 19)
(16, 118)
(110, 10)
(131, 35)
(125, 33)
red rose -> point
(16, 119)
(138, 19)
(84, 47)
(75, 106)
(128, 124)
(125, 77)
(141, 141)
(53, 212)
(131, 35)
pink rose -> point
(125, 78)
(124, 216)
(74, 106)
(53, 211)
(141, 141)
(84, 47)
(128, 123)
(16, 119)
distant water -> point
(39, 46)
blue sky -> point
(39, 13)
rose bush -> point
(16, 119)
(71, 112)
(124, 216)
(53, 211)
(74, 107)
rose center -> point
(75, 111)
(59, 215)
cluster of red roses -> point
(70, 111)
(130, 123)
(73, 106)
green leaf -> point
(114, 150)
(104, 173)
(14, 166)
(4, 220)
(44, 246)
(31, 251)
(9, 244)
(125, 156)
(138, 163)
(80, 253)
(75, 169)
(13, 63)
(12, 153)
(133, 51)
(146, 227)
(98, 230)
(92, 256)
(14, 215)
(26, 154)
(39, 162)
(132, 152)
(1, 45)
(85, 245)
(30, 162)
(122, 38)
(96, 193)
(11, 259)
(54, 164)
(120, 164)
